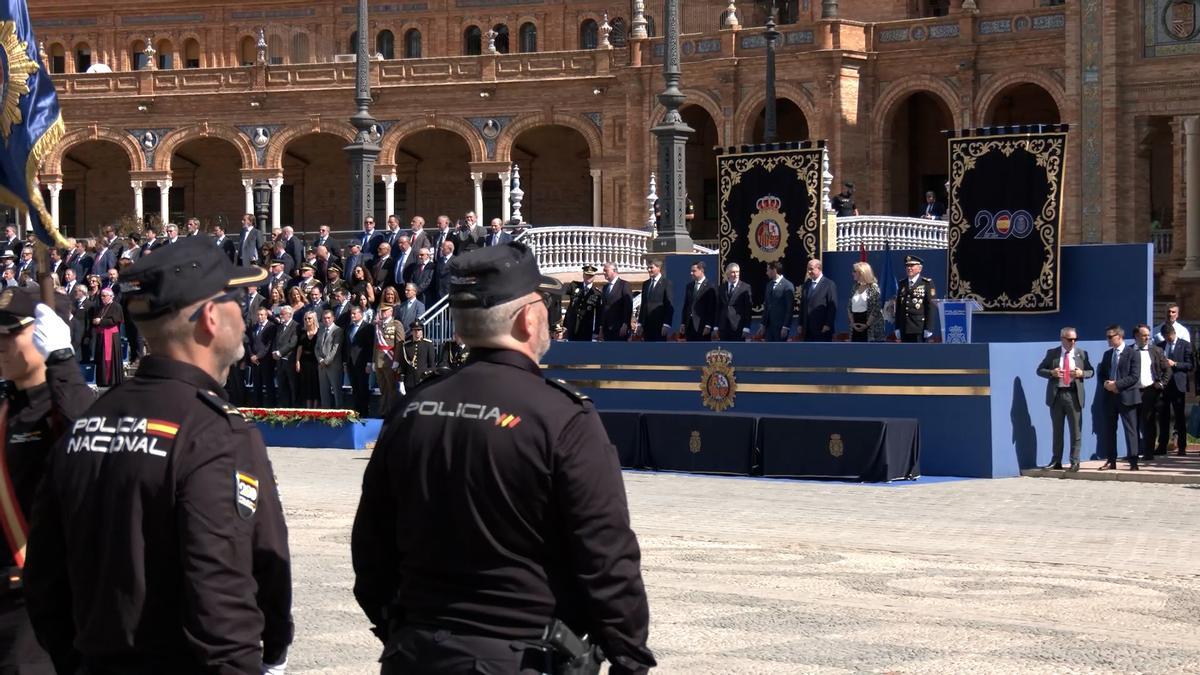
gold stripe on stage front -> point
(762, 388)
(782, 369)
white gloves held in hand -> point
(50, 332)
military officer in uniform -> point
(581, 312)
(43, 393)
(419, 357)
(494, 504)
(914, 303)
(159, 544)
(389, 339)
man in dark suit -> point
(262, 363)
(227, 245)
(779, 297)
(150, 240)
(323, 239)
(292, 244)
(496, 234)
(699, 306)
(1179, 359)
(469, 235)
(418, 237)
(328, 351)
(289, 263)
(1154, 374)
(11, 243)
(616, 306)
(341, 308)
(1065, 368)
(383, 268)
(283, 351)
(404, 256)
(1121, 373)
(657, 313)
(354, 258)
(359, 350)
(818, 305)
(249, 242)
(734, 301)
(421, 276)
(441, 273)
(254, 301)
(410, 308)
(370, 240)
(931, 209)
(79, 260)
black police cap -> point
(17, 305)
(494, 275)
(178, 275)
(913, 260)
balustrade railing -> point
(873, 232)
(1163, 241)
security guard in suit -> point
(494, 504)
(584, 301)
(43, 393)
(160, 545)
(914, 303)
(419, 357)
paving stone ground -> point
(1020, 575)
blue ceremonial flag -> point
(30, 121)
(888, 287)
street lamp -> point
(672, 137)
(770, 134)
(262, 204)
(365, 149)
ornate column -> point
(276, 210)
(596, 203)
(672, 135)
(389, 193)
(55, 189)
(363, 152)
(515, 195)
(638, 24)
(248, 186)
(477, 179)
(164, 201)
(651, 201)
(505, 195)
(1191, 130)
(137, 200)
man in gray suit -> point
(410, 309)
(1065, 368)
(778, 299)
(249, 242)
(329, 361)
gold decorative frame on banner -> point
(807, 163)
(1049, 150)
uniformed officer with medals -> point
(584, 300)
(914, 303)
(43, 394)
(389, 338)
(419, 357)
(493, 511)
(159, 544)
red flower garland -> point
(292, 416)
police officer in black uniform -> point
(843, 203)
(43, 393)
(493, 502)
(914, 303)
(418, 356)
(159, 545)
(584, 301)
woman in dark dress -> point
(106, 340)
(866, 313)
(306, 363)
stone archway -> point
(791, 124)
(1021, 103)
(701, 171)
(585, 127)
(240, 144)
(915, 156)
(555, 175)
(206, 176)
(280, 141)
(989, 97)
(751, 109)
(316, 182)
(433, 175)
(96, 187)
(133, 153)
(397, 135)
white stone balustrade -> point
(566, 249)
(873, 232)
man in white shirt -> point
(1181, 331)
(1155, 371)
(1065, 368)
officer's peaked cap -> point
(494, 275)
(178, 275)
(913, 260)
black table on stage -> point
(699, 442)
(859, 449)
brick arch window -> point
(412, 44)
(619, 37)
(248, 50)
(589, 34)
(300, 52)
(501, 38)
(385, 44)
(353, 45)
(58, 58)
(649, 26)
(137, 55)
(275, 50)
(472, 41)
(527, 37)
(83, 57)
(166, 55)
(191, 53)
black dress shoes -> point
(1052, 467)
(1074, 467)
(1181, 453)
(1108, 466)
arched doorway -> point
(95, 189)
(206, 182)
(790, 122)
(316, 183)
(554, 175)
(916, 154)
(701, 171)
(1024, 103)
(433, 176)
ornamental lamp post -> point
(770, 132)
(363, 152)
(672, 134)
(262, 204)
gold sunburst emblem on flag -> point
(17, 69)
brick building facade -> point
(200, 116)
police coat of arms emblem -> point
(835, 445)
(768, 230)
(718, 386)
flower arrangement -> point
(286, 417)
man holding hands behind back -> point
(1065, 368)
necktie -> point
(353, 331)
(1170, 349)
(1066, 368)
(653, 282)
(1116, 355)
(730, 290)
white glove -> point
(928, 334)
(50, 332)
(276, 669)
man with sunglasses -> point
(160, 544)
(1065, 368)
(494, 504)
(43, 393)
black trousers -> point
(262, 380)
(1172, 412)
(287, 381)
(360, 388)
(912, 337)
(20, 653)
(1148, 420)
(1127, 415)
(652, 332)
(429, 651)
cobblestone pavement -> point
(1020, 575)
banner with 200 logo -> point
(1005, 220)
